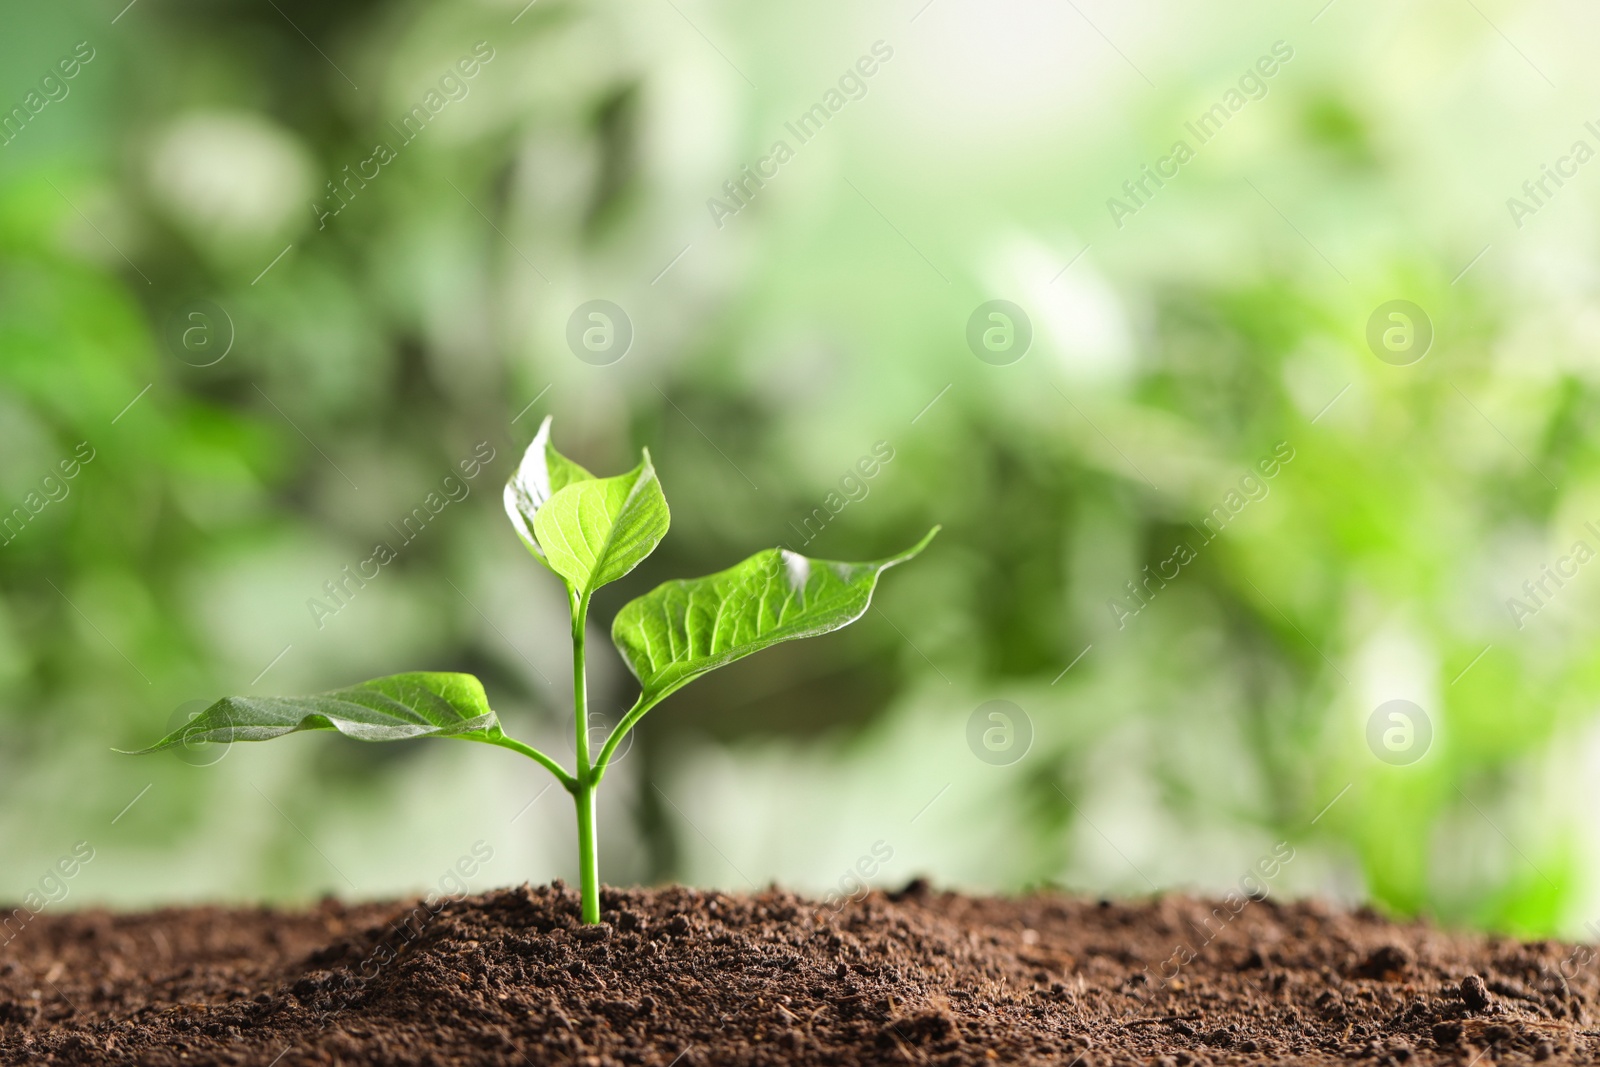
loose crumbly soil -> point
(686, 978)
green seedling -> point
(589, 531)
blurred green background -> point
(342, 365)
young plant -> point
(589, 531)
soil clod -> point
(1474, 994)
(1386, 964)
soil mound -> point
(687, 978)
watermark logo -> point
(1251, 489)
(1138, 191)
(853, 486)
(52, 888)
(200, 333)
(599, 332)
(192, 750)
(1552, 579)
(340, 591)
(999, 733)
(1399, 732)
(326, 993)
(52, 88)
(50, 490)
(453, 86)
(599, 734)
(1399, 333)
(1537, 192)
(999, 332)
(1255, 884)
(741, 190)
(853, 885)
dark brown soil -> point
(689, 978)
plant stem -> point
(583, 794)
(569, 783)
(588, 861)
(620, 731)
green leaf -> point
(542, 473)
(596, 531)
(396, 708)
(683, 629)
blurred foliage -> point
(194, 157)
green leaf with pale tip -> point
(596, 531)
(681, 630)
(396, 708)
(542, 473)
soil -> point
(687, 978)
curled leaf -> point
(542, 473)
(593, 532)
(395, 708)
